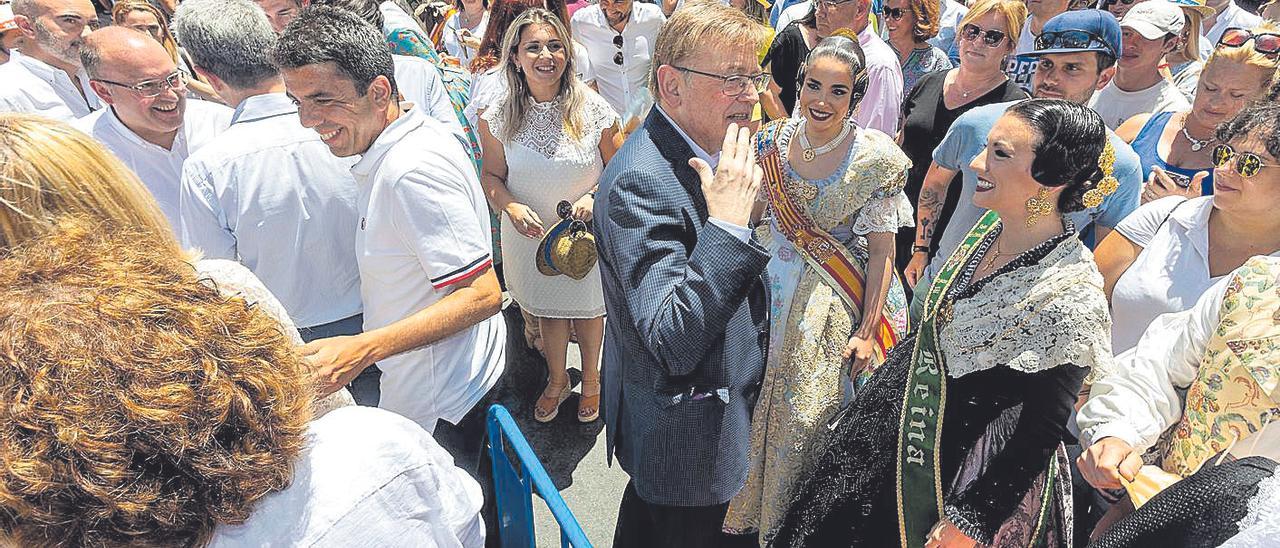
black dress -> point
(926, 120)
(784, 59)
(1201, 510)
(850, 499)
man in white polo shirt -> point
(46, 77)
(619, 37)
(1229, 16)
(151, 125)
(267, 192)
(430, 295)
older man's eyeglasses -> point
(153, 88)
(734, 85)
(830, 4)
(1247, 164)
(1266, 43)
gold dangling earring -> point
(1038, 206)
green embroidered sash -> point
(920, 433)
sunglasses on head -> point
(1266, 43)
(991, 38)
(1247, 164)
(895, 13)
(617, 43)
(1072, 39)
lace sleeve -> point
(493, 114)
(599, 116)
(884, 214)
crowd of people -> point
(254, 253)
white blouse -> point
(367, 477)
(1170, 273)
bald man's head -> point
(55, 29)
(134, 74)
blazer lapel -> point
(677, 152)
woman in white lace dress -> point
(547, 141)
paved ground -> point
(572, 453)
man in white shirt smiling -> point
(150, 125)
(426, 279)
(267, 192)
(619, 36)
(46, 77)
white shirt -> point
(1136, 400)
(1116, 105)
(1170, 273)
(30, 85)
(620, 85)
(160, 169)
(793, 13)
(452, 43)
(419, 82)
(269, 194)
(949, 23)
(1231, 17)
(366, 477)
(425, 226)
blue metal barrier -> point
(513, 485)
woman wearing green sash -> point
(835, 202)
(1012, 326)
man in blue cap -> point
(1076, 53)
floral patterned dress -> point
(806, 376)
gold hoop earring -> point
(1038, 206)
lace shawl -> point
(1033, 318)
(1261, 525)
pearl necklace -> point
(1196, 144)
(812, 152)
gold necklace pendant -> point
(809, 155)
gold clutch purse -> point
(1149, 481)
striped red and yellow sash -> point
(820, 250)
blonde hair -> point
(573, 93)
(1248, 56)
(48, 170)
(1191, 29)
(1014, 12)
(124, 7)
(697, 24)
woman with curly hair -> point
(146, 408)
(49, 171)
(957, 438)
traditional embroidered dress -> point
(1229, 363)
(998, 362)
(817, 291)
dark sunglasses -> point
(617, 43)
(991, 38)
(1266, 43)
(1247, 164)
(895, 13)
(1072, 39)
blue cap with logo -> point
(1080, 30)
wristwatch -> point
(920, 249)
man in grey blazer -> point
(683, 281)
